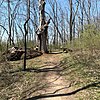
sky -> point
(63, 3)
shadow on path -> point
(55, 52)
(95, 84)
(38, 70)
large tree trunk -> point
(43, 28)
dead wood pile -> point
(31, 53)
(15, 53)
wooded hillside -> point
(49, 49)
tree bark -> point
(26, 32)
(70, 19)
(43, 28)
(9, 21)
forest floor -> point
(57, 85)
(58, 76)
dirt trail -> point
(56, 82)
(57, 85)
(46, 79)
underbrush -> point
(83, 67)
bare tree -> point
(43, 28)
(71, 18)
(26, 31)
(9, 20)
(54, 7)
(82, 13)
(89, 11)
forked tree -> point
(43, 27)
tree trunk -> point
(82, 14)
(43, 29)
(89, 10)
(9, 21)
(70, 20)
(26, 32)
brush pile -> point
(15, 53)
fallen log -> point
(16, 53)
(32, 54)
